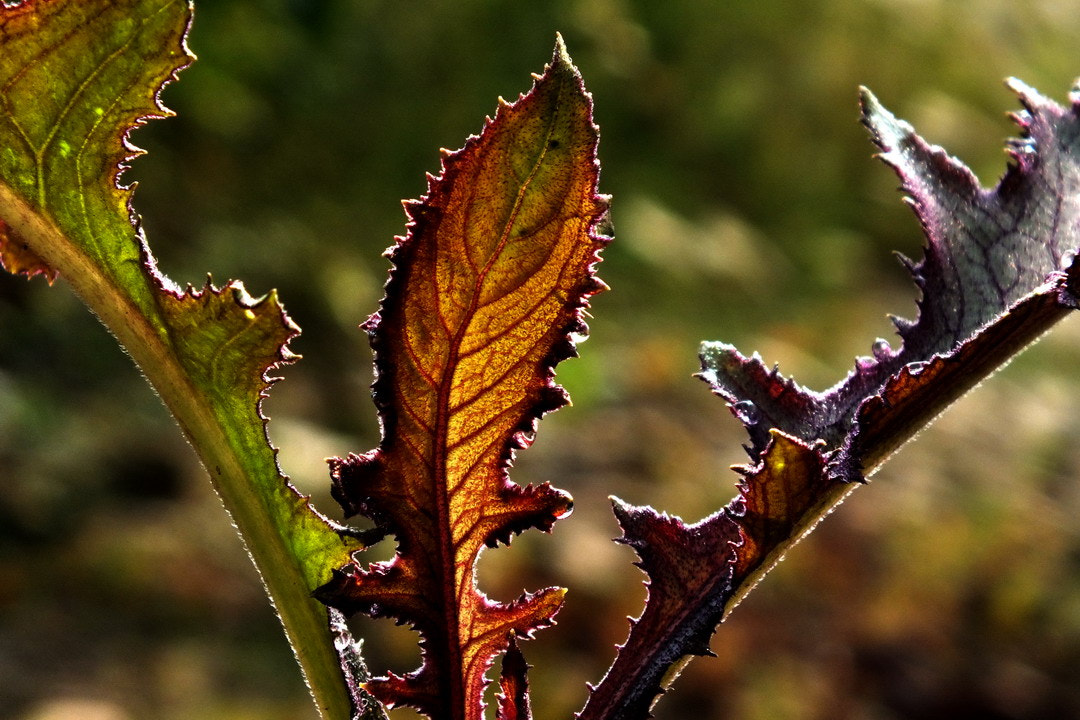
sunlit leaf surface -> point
(484, 296)
(999, 270)
(75, 79)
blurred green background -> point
(747, 208)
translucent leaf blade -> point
(76, 78)
(484, 296)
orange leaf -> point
(777, 498)
(17, 258)
(485, 294)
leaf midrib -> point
(453, 593)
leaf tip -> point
(560, 59)
(867, 98)
(886, 130)
(561, 55)
(1028, 95)
(621, 508)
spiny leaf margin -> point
(486, 293)
(76, 78)
(810, 450)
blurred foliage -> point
(747, 209)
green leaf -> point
(75, 79)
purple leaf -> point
(997, 272)
(987, 250)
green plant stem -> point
(304, 618)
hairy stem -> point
(304, 619)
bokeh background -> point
(747, 209)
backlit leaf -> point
(76, 77)
(998, 271)
(485, 294)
